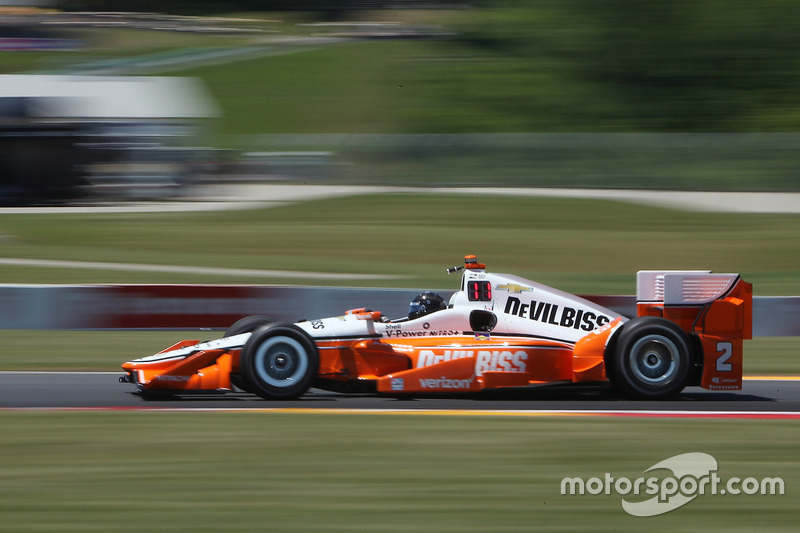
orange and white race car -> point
(498, 331)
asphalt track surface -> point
(760, 397)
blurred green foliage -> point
(705, 65)
(512, 66)
(573, 65)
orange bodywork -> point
(462, 364)
(203, 370)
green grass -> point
(288, 472)
(91, 351)
(577, 245)
(772, 356)
(343, 89)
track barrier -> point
(65, 307)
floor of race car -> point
(57, 390)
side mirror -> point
(481, 320)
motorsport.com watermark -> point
(693, 474)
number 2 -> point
(726, 351)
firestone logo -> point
(693, 474)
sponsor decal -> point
(398, 384)
(483, 337)
(445, 383)
(485, 360)
(514, 287)
(724, 387)
(718, 383)
(170, 377)
(500, 361)
(431, 357)
(549, 313)
(399, 333)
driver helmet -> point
(425, 303)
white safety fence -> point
(218, 306)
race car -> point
(497, 331)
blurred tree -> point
(708, 65)
(584, 65)
(222, 6)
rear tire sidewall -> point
(247, 324)
(279, 361)
(650, 358)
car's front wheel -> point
(279, 361)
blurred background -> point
(666, 95)
(108, 106)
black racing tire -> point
(649, 358)
(279, 361)
(247, 324)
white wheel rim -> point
(280, 361)
(653, 359)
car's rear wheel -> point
(279, 361)
(650, 359)
(245, 325)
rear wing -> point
(697, 300)
(717, 308)
(682, 286)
